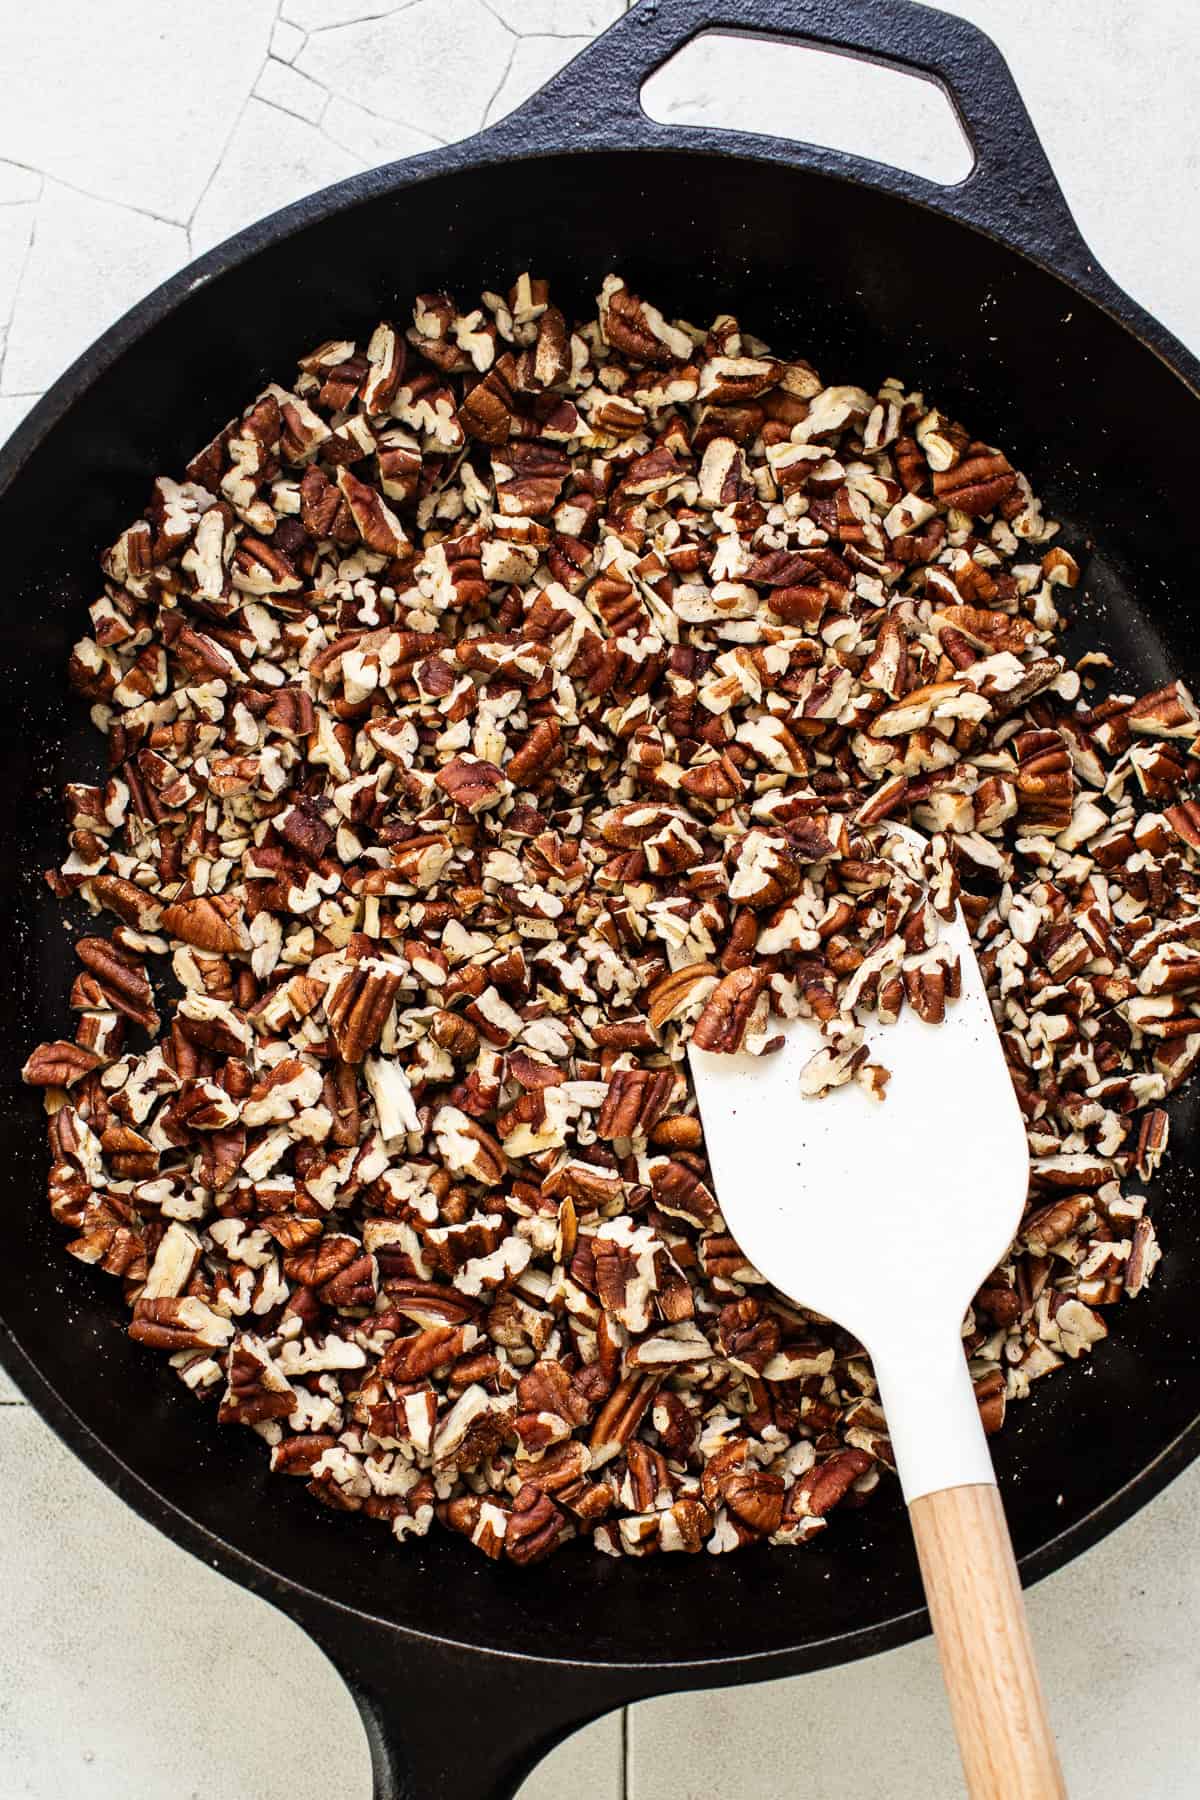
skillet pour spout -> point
(985, 296)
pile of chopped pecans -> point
(488, 713)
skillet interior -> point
(863, 283)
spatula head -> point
(874, 1212)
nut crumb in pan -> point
(489, 713)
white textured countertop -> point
(133, 134)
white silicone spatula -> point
(886, 1216)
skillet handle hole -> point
(820, 97)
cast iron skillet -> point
(986, 296)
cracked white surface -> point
(87, 259)
(271, 158)
(540, 18)
(368, 137)
(286, 40)
(321, 15)
(434, 64)
(534, 60)
(13, 407)
(285, 87)
(133, 136)
(132, 102)
(18, 185)
(16, 233)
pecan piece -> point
(374, 521)
(726, 1017)
(212, 923)
(636, 1098)
(827, 1483)
(1168, 712)
(1045, 779)
(358, 1004)
(120, 981)
(257, 1390)
(536, 1527)
(620, 1416)
(60, 1064)
(486, 412)
(472, 784)
(980, 481)
(172, 1324)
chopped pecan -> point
(374, 520)
(1045, 779)
(620, 1416)
(120, 981)
(358, 1004)
(486, 412)
(536, 1527)
(980, 481)
(726, 1016)
(257, 1391)
(214, 924)
(454, 1034)
(636, 1098)
(413, 1358)
(827, 1483)
(173, 1324)
(60, 1064)
(495, 710)
(471, 783)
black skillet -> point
(985, 295)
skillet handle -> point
(1011, 192)
(448, 1723)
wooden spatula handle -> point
(978, 1614)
